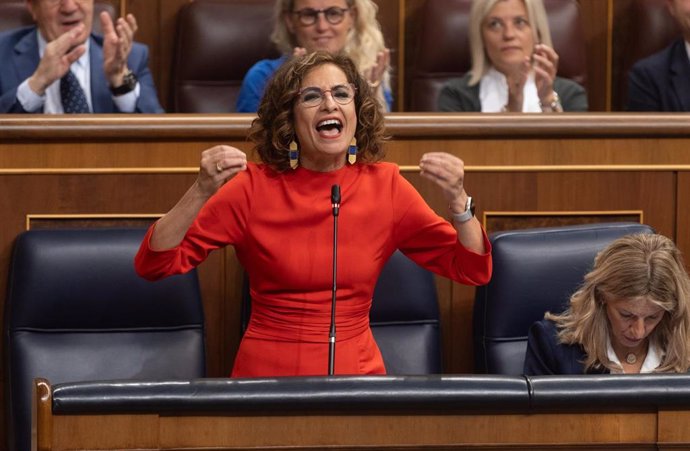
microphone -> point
(335, 204)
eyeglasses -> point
(309, 16)
(313, 96)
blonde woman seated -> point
(333, 26)
(514, 64)
(630, 316)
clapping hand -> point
(545, 67)
(57, 58)
(516, 80)
(118, 38)
(375, 74)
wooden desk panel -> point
(360, 431)
(562, 167)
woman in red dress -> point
(278, 217)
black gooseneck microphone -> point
(335, 204)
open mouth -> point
(329, 127)
(71, 24)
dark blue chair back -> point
(405, 318)
(535, 270)
(77, 311)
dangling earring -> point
(294, 155)
(352, 151)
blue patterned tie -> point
(73, 97)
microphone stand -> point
(335, 204)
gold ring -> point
(219, 168)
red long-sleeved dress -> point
(281, 226)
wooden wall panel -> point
(157, 21)
(366, 431)
(595, 22)
(682, 232)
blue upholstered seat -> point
(535, 270)
(77, 311)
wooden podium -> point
(366, 413)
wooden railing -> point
(367, 413)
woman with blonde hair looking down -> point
(514, 64)
(334, 26)
(630, 316)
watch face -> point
(130, 80)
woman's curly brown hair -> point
(273, 129)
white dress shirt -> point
(651, 361)
(493, 93)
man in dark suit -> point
(661, 82)
(58, 66)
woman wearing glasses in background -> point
(514, 64)
(318, 125)
(334, 26)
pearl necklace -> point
(631, 358)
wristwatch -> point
(467, 214)
(129, 82)
(554, 105)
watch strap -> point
(467, 214)
(129, 82)
(554, 105)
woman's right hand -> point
(374, 75)
(516, 84)
(218, 165)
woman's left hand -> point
(448, 172)
(375, 75)
(545, 68)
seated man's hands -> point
(58, 56)
(118, 38)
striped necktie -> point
(72, 96)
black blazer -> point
(661, 82)
(458, 95)
(545, 355)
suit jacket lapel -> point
(100, 92)
(680, 75)
(27, 57)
